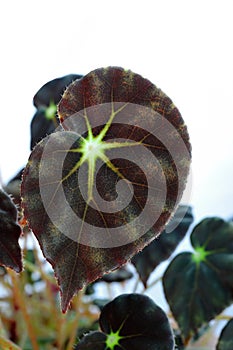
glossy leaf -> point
(77, 253)
(130, 321)
(45, 121)
(53, 90)
(10, 252)
(136, 322)
(198, 286)
(163, 246)
(41, 126)
(225, 341)
(13, 187)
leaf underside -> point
(77, 264)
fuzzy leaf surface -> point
(78, 255)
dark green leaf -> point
(53, 90)
(134, 321)
(13, 187)
(225, 341)
(41, 126)
(162, 247)
(45, 120)
(10, 252)
(100, 302)
(198, 286)
(120, 275)
(92, 341)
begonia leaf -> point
(130, 321)
(10, 252)
(163, 246)
(225, 341)
(198, 286)
(103, 186)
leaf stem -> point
(136, 285)
(23, 307)
(49, 281)
(7, 344)
(158, 279)
(223, 318)
(73, 331)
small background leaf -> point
(10, 252)
(225, 341)
(195, 284)
(48, 96)
(53, 90)
(92, 341)
(163, 246)
(120, 275)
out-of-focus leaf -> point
(41, 126)
(45, 120)
(92, 341)
(100, 302)
(163, 246)
(90, 289)
(13, 187)
(120, 275)
(75, 263)
(53, 90)
(198, 286)
(225, 341)
(10, 252)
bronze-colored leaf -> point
(104, 185)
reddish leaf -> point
(125, 142)
(10, 253)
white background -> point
(184, 47)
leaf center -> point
(199, 255)
(113, 340)
(51, 111)
(93, 148)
